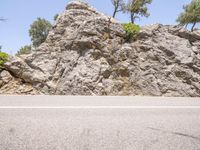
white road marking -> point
(99, 107)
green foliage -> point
(3, 59)
(39, 31)
(132, 30)
(191, 14)
(55, 17)
(24, 50)
(138, 8)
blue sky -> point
(21, 13)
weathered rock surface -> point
(86, 54)
(12, 85)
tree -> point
(191, 14)
(24, 50)
(39, 31)
(119, 5)
(182, 19)
(138, 8)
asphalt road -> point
(89, 123)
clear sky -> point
(21, 13)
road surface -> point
(99, 123)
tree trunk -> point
(186, 25)
(116, 9)
(114, 13)
(132, 18)
(193, 26)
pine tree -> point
(119, 5)
(138, 8)
(191, 14)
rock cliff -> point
(86, 54)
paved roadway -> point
(99, 123)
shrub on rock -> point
(3, 59)
(132, 30)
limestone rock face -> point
(12, 85)
(167, 62)
(86, 54)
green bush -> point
(3, 59)
(132, 30)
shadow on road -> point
(175, 133)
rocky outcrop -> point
(167, 62)
(86, 54)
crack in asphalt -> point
(176, 133)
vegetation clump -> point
(39, 31)
(24, 50)
(3, 59)
(191, 14)
(55, 17)
(132, 30)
